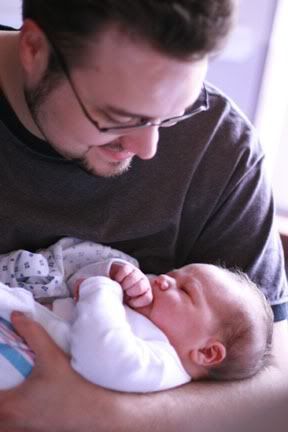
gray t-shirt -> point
(202, 198)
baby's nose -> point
(166, 282)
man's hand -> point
(49, 399)
(134, 282)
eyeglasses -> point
(136, 123)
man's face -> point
(118, 81)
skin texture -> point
(146, 84)
(56, 398)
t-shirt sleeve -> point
(237, 228)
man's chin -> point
(106, 169)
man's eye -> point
(121, 120)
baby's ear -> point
(212, 354)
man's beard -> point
(36, 97)
(115, 168)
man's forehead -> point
(115, 38)
(129, 75)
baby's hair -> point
(246, 336)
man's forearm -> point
(202, 406)
(74, 405)
(56, 398)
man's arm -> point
(56, 398)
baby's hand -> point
(134, 282)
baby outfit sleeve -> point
(46, 272)
(101, 268)
(40, 273)
(104, 348)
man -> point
(86, 86)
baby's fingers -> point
(141, 301)
(137, 288)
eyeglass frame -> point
(121, 128)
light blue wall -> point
(238, 71)
(10, 12)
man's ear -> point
(212, 354)
(34, 47)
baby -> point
(199, 322)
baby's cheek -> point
(149, 296)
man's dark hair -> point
(179, 28)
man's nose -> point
(142, 142)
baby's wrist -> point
(76, 289)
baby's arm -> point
(134, 282)
(105, 349)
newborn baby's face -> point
(187, 302)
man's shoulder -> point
(222, 129)
(219, 100)
(6, 28)
(231, 131)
